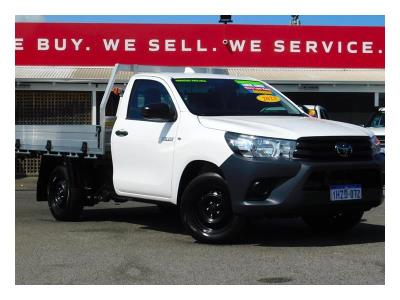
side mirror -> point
(158, 112)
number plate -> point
(346, 192)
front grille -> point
(322, 180)
(323, 148)
(381, 139)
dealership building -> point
(67, 89)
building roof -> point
(296, 75)
(66, 74)
(271, 75)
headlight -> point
(375, 145)
(254, 146)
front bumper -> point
(299, 187)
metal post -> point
(376, 99)
(94, 107)
(103, 104)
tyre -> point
(206, 212)
(334, 222)
(64, 201)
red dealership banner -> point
(85, 44)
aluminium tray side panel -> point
(64, 138)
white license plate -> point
(346, 192)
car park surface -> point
(135, 243)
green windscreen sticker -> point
(252, 82)
(255, 87)
(190, 80)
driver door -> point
(143, 150)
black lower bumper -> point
(292, 188)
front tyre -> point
(334, 222)
(64, 200)
(206, 210)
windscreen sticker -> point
(254, 87)
(190, 80)
(268, 98)
(263, 92)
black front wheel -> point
(206, 210)
(64, 200)
(334, 222)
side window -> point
(145, 92)
(324, 114)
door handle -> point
(121, 132)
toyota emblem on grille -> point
(344, 149)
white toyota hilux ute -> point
(218, 149)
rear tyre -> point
(206, 210)
(334, 222)
(64, 200)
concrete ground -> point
(137, 244)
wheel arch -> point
(47, 165)
(192, 170)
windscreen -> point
(227, 97)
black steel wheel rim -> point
(213, 210)
(59, 192)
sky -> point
(342, 20)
